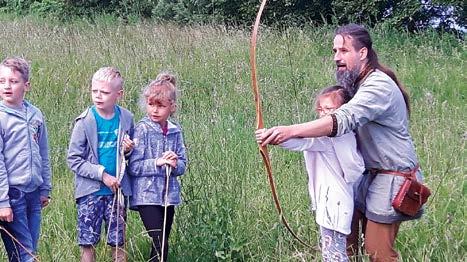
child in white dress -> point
(334, 165)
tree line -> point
(411, 15)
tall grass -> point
(228, 212)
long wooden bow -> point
(259, 124)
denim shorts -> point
(92, 211)
(375, 194)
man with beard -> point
(378, 113)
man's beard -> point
(347, 79)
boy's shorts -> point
(92, 211)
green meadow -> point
(228, 213)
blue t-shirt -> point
(107, 136)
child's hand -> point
(161, 161)
(6, 214)
(44, 201)
(274, 135)
(169, 155)
(110, 182)
(128, 144)
(172, 163)
(171, 158)
(168, 158)
(259, 135)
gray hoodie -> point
(24, 158)
(82, 153)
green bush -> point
(18, 7)
(411, 15)
(48, 8)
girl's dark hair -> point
(361, 38)
(337, 93)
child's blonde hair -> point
(109, 74)
(163, 88)
(17, 64)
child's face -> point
(12, 87)
(159, 110)
(326, 106)
(105, 95)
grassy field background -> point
(228, 213)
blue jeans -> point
(25, 226)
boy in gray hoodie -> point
(99, 143)
(25, 176)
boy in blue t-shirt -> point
(99, 143)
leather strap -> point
(409, 175)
